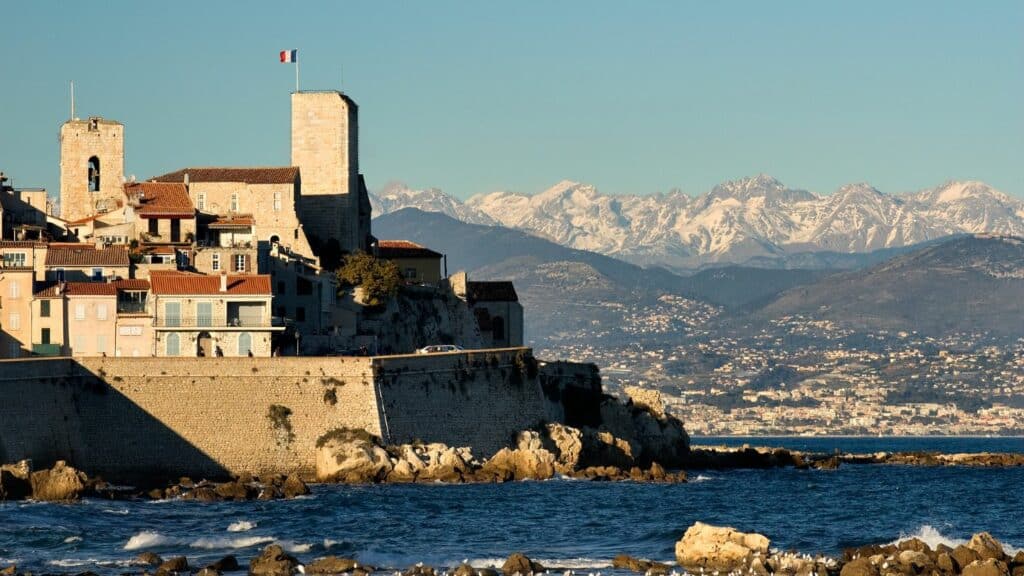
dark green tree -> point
(380, 279)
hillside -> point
(565, 291)
(971, 283)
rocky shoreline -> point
(702, 550)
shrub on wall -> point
(280, 421)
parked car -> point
(436, 348)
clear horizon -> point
(468, 98)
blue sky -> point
(634, 97)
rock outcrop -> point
(273, 562)
(352, 457)
(62, 483)
(719, 548)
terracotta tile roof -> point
(236, 221)
(262, 175)
(51, 289)
(159, 250)
(74, 255)
(238, 284)
(502, 291)
(404, 249)
(20, 244)
(161, 199)
(133, 284)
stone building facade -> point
(91, 166)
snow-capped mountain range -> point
(754, 217)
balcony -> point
(230, 323)
(46, 349)
(131, 307)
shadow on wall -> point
(59, 410)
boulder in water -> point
(175, 565)
(273, 562)
(352, 457)
(986, 546)
(519, 564)
(718, 548)
(61, 483)
(294, 486)
(331, 565)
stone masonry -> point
(81, 140)
(127, 418)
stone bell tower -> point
(91, 166)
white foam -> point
(702, 478)
(294, 547)
(148, 539)
(72, 539)
(241, 526)
(931, 536)
(119, 511)
(223, 542)
(328, 543)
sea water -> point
(565, 524)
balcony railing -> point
(128, 307)
(46, 349)
(211, 322)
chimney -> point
(186, 178)
(223, 281)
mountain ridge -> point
(756, 219)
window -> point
(410, 274)
(44, 308)
(300, 314)
(239, 262)
(44, 336)
(154, 227)
(97, 274)
(281, 285)
(101, 311)
(94, 174)
(201, 202)
(234, 202)
(277, 201)
(173, 344)
(79, 344)
(14, 320)
(172, 314)
(101, 343)
(14, 260)
(303, 287)
(498, 328)
(282, 311)
(244, 344)
(79, 311)
(204, 313)
(15, 289)
(215, 263)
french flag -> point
(289, 55)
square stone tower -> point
(91, 166)
(325, 148)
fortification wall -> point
(122, 417)
(479, 399)
(130, 417)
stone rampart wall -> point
(130, 417)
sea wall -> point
(130, 417)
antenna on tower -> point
(72, 99)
